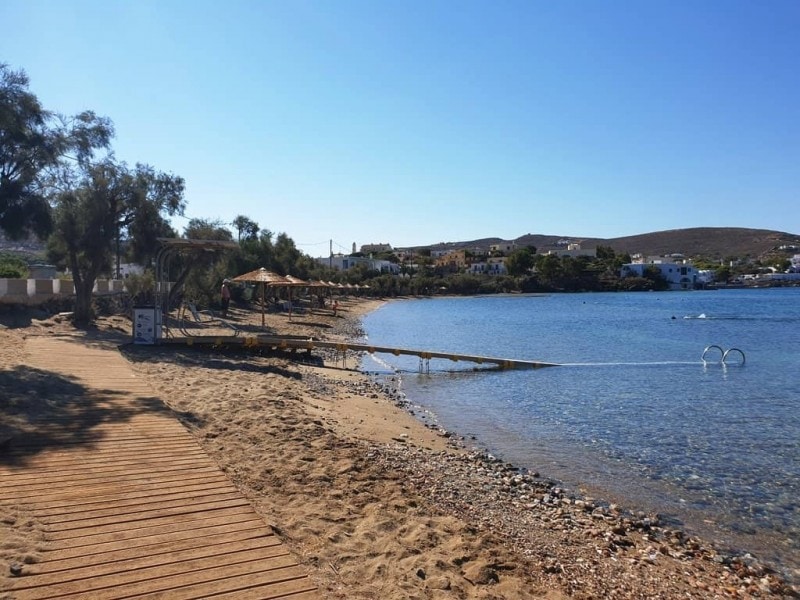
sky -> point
(414, 122)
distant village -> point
(567, 265)
(678, 272)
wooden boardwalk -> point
(130, 504)
(289, 343)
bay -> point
(633, 415)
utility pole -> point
(330, 260)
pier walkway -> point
(287, 343)
(128, 504)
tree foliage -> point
(150, 195)
(246, 228)
(12, 267)
(88, 219)
(34, 144)
(519, 262)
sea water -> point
(634, 414)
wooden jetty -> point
(309, 344)
(128, 504)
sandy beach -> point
(374, 503)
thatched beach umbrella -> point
(292, 281)
(320, 287)
(265, 278)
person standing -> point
(226, 298)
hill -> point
(29, 249)
(708, 242)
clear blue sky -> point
(414, 122)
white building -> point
(375, 248)
(492, 266)
(343, 263)
(706, 276)
(504, 247)
(440, 252)
(574, 250)
(780, 277)
(679, 276)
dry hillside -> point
(708, 242)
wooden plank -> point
(85, 485)
(93, 579)
(183, 454)
(127, 529)
(112, 557)
(125, 520)
(209, 528)
(206, 577)
(259, 586)
(59, 507)
(69, 445)
(133, 508)
(110, 461)
(65, 440)
(109, 466)
(288, 343)
(65, 456)
(140, 509)
(110, 486)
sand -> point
(375, 503)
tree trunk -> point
(83, 301)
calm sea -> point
(633, 415)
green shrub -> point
(141, 288)
(12, 267)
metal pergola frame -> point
(166, 291)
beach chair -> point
(211, 319)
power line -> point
(337, 245)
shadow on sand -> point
(41, 410)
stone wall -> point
(38, 291)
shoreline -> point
(377, 504)
(600, 494)
(559, 493)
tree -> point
(143, 233)
(204, 229)
(653, 273)
(203, 280)
(286, 254)
(782, 264)
(246, 228)
(149, 194)
(549, 269)
(33, 144)
(722, 274)
(88, 218)
(605, 253)
(519, 262)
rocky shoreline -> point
(516, 504)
